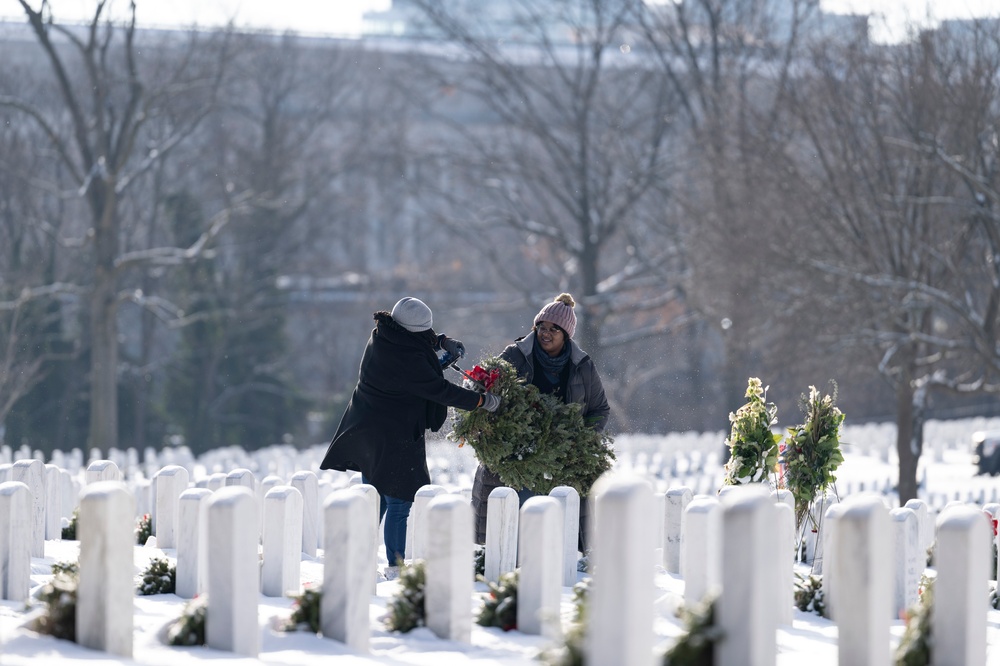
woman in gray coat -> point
(549, 358)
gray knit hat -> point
(412, 314)
(559, 312)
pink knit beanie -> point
(559, 312)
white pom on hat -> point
(412, 314)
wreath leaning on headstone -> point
(812, 450)
(533, 440)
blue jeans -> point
(395, 511)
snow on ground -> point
(810, 639)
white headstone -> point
(282, 542)
(53, 502)
(701, 548)
(539, 589)
(619, 627)
(190, 565)
(501, 532)
(307, 484)
(449, 580)
(170, 482)
(419, 512)
(908, 562)
(569, 498)
(349, 555)
(102, 470)
(863, 581)
(106, 591)
(746, 610)
(784, 544)
(233, 574)
(676, 501)
(32, 474)
(15, 540)
(958, 623)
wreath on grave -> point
(812, 450)
(405, 611)
(533, 440)
(916, 646)
(753, 447)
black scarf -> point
(551, 366)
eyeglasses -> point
(551, 330)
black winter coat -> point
(401, 392)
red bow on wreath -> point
(485, 378)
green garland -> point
(812, 450)
(916, 646)
(160, 577)
(753, 448)
(533, 440)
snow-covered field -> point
(691, 459)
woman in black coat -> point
(401, 392)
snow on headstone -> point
(863, 581)
(233, 571)
(569, 499)
(170, 482)
(619, 617)
(826, 565)
(501, 532)
(370, 493)
(540, 580)
(701, 546)
(106, 592)
(306, 483)
(191, 562)
(32, 474)
(958, 623)
(15, 541)
(419, 512)
(449, 582)
(908, 561)
(745, 610)
(282, 542)
(349, 555)
(676, 500)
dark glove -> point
(453, 347)
(490, 402)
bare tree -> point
(888, 129)
(555, 147)
(108, 95)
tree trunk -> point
(104, 327)
(905, 438)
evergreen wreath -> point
(696, 647)
(809, 596)
(406, 609)
(571, 653)
(500, 608)
(305, 610)
(189, 628)
(58, 597)
(143, 529)
(159, 577)
(812, 450)
(916, 645)
(753, 448)
(533, 440)
(68, 533)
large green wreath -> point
(753, 447)
(533, 440)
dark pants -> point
(395, 511)
(484, 483)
